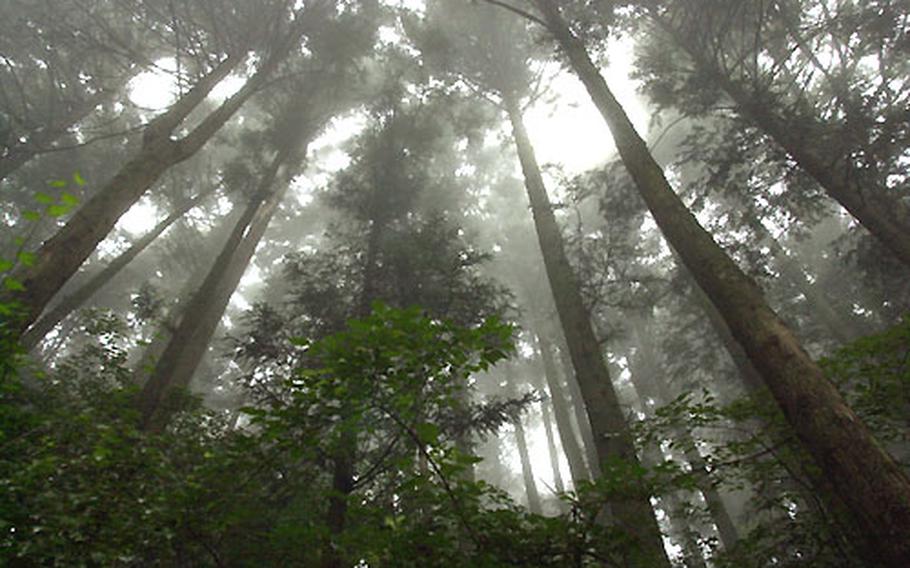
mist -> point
(454, 283)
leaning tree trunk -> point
(612, 439)
(75, 300)
(203, 312)
(61, 255)
(875, 488)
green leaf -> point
(69, 199)
(57, 183)
(27, 258)
(427, 433)
(77, 177)
(13, 284)
(44, 198)
(58, 210)
(6, 265)
(31, 216)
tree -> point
(847, 145)
(494, 65)
(876, 490)
(60, 256)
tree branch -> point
(515, 10)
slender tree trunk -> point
(61, 255)
(611, 436)
(577, 403)
(547, 418)
(570, 446)
(527, 470)
(72, 302)
(203, 312)
(521, 442)
(875, 488)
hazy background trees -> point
(326, 305)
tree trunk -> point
(203, 312)
(527, 472)
(577, 403)
(561, 411)
(342, 487)
(72, 302)
(521, 442)
(547, 419)
(61, 255)
(875, 488)
(611, 436)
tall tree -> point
(876, 489)
(61, 255)
(492, 62)
(74, 300)
(297, 120)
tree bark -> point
(875, 488)
(611, 436)
(72, 302)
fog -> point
(455, 283)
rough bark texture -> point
(203, 312)
(611, 436)
(570, 445)
(875, 488)
(72, 302)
